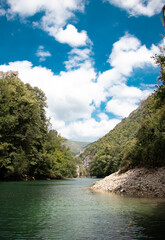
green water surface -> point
(68, 209)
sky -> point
(92, 58)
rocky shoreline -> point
(139, 182)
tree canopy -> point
(28, 149)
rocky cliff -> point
(8, 74)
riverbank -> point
(139, 182)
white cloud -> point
(125, 99)
(123, 91)
(121, 108)
(69, 94)
(42, 54)
(78, 57)
(139, 7)
(162, 44)
(71, 36)
(57, 12)
(88, 130)
(75, 94)
(56, 15)
(128, 53)
(70, 97)
(103, 117)
(110, 77)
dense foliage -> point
(149, 148)
(138, 140)
(28, 149)
(105, 155)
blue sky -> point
(92, 58)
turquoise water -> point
(68, 209)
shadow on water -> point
(153, 224)
(144, 218)
(68, 209)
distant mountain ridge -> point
(76, 147)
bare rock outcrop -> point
(139, 182)
(8, 74)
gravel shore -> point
(139, 182)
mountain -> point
(98, 157)
(76, 147)
(137, 141)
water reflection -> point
(153, 222)
(145, 218)
(70, 210)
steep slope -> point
(138, 141)
(104, 156)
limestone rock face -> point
(8, 74)
(86, 162)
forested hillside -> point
(28, 149)
(138, 140)
(148, 149)
(75, 146)
(105, 155)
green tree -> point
(19, 126)
(105, 162)
(149, 150)
(27, 147)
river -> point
(69, 210)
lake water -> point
(69, 210)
